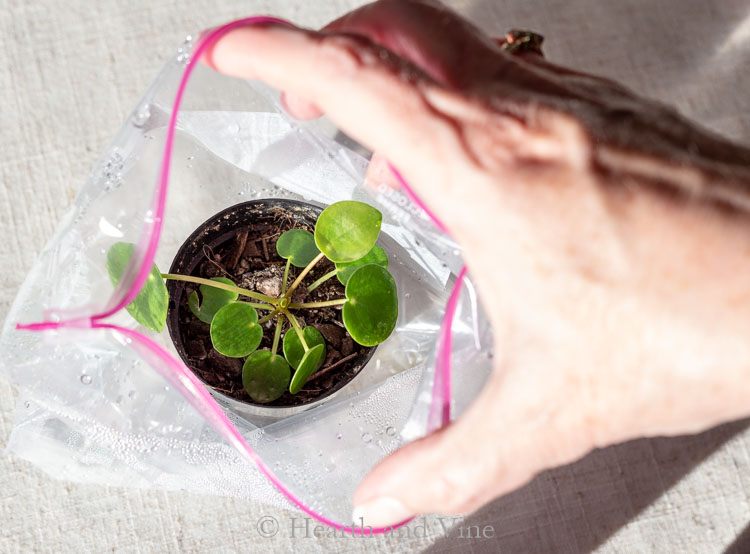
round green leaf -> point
(149, 308)
(376, 255)
(297, 246)
(311, 361)
(235, 331)
(293, 349)
(346, 231)
(265, 376)
(213, 300)
(371, 309)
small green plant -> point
(345, 233)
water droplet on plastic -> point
(86, 379)
(241, 193)
(366, 437)
(338, 436)
(183, 57)
(141, 115)
(190, 158)
(131, 394)
(390, 431)
(27, 404)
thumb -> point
(454, 470)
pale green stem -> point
(219, 285)
(269, 316)
(337, 302)
(322, 280)
(304, 273)
(276, 335)
(298, 330)
(260, 306)
(286, 276)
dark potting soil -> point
(248, 257)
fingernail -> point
(380, 512)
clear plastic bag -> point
(103, 400)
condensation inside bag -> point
(91, 406)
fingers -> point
(416, 31)
(379, 174)
(299, 108)
(523, 422)
(372, 95)
(436, 39)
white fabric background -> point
(69, 74)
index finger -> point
(371, 94)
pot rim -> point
(243, 408)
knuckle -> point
(344, 54)
(466, 490)
(457, 486)
(447, 493)
(574, 139)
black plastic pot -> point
(214, 235)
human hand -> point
(609, 227)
